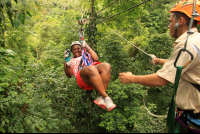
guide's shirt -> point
(75, 65)
(187, 96)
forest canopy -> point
(36, 95)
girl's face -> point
(76, 50)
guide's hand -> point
(67, 57)
(125, 78)
(151, 57)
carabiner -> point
(81, 33)
(188, 62)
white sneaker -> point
(100, 101)
(109, 104)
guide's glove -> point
(151, 56)
(67, 57)
(84, 44)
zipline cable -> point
(160, 116)
(123, 11)
(106, 7)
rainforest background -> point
(35, 94)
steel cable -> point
(106, 7)
(123, 11)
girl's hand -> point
(67, 57)
(84, 44)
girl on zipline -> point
(95, 76)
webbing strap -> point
(170, 128)
(177, 128)
(197, 86)
(85, 61)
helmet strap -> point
(176, 26)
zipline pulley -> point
(83, 21)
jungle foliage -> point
(36, 95)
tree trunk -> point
(2, 43)
(91, 41)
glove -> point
(67, 57)
(151, 56)
(84, 44)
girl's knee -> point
(107, 66)
(92, 70)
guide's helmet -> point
(186, 7)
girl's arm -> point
(68, 70)
(94, 56)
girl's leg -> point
(99, 76)
(104, 70)
(90, 76)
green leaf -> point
(8, 3)
(6, 60)
(16, 1)
(2, 89)
(1, 107)
(2, 129)
(2, 3)
(2, 17)
(7, 120)
(13, 93)
(1, 30)
(23, 1)
(16, 24)
(3, 122)
(22, 18)
(28, 13)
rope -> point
(160, 116)
(107, 6)
(125, 39)
(123, 11)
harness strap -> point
(177, 128)
(84, 61)
(171, 112)
(182, 120)
(197, 86)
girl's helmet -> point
(75, 43)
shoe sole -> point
(101, 105)
(113, 106)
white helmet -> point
(75, 43)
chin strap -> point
(176, 26)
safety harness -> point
(86, 59)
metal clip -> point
(188, 62)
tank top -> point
(75, 65)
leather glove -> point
(84, 44)
(67, 57)
(151, 56)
